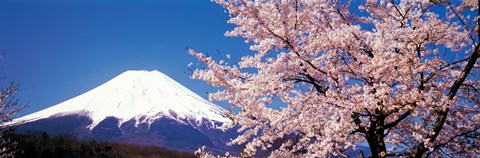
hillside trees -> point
(39, 144)
(399, 75)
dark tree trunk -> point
(375, 138)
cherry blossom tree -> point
(8, 107)
(399, 75)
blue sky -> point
(57, 49)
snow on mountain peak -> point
(140, 95)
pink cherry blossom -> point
(399, 73)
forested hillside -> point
(42, 145)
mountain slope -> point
(133, 95)
(142, 107)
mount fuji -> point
(137, 107)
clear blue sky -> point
(57, 49)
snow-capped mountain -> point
(135, 95)
(143, 107)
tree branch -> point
(442, 115)
(400, 119)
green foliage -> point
(42, 145)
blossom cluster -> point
(398, 72)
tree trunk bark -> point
(375, 139)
